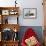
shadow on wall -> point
(37, 29)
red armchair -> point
(30, 34)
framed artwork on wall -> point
(5, 12)
(29, 13)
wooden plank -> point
(10, 26)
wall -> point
(32, 4)
(27, 4)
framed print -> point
(5, 12)
(30, 13)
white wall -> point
(32, 4)
(27, 4)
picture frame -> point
(30, 13)
(5, 12)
